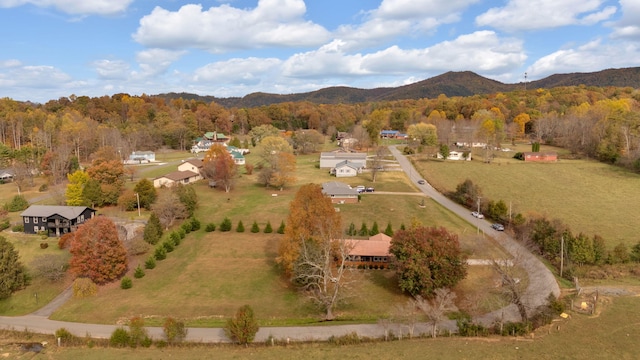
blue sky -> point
(55, 48)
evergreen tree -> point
(153, 229)
(363, 230)
(351, 231)
(374, 229)
(226, 224)
(281, 228)
(255, 228)
(388, 231)
(13, 276)
(268, 229)
(242, 328)
(240, 227)
(146, 193)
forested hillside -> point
(598, 122)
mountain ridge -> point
(451, 83)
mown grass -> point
(612, 334)
(589, 196)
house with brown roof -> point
(176, 177)
(540, 156)
(370, 253)
(55, 220)
(194, 165)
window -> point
(41, 228)
(44, 219)
(26, 219)
(35, 219)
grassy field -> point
(589, 196)
(612, 334)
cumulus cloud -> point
(543, 14)
(111, 69)
(273, 23)
(156, 61)
(36, 77)
(10, 63)
(248, 71)
(628, 26)
(592, 56)
(75, 7)
(491, 54)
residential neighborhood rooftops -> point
(350, 163)
(68, 212)
(195, 162)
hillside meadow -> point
(589, 196)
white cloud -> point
(156, 61)
(75, 7)
(543, 14)
(491, 55)
(248, 71)
(273, 23)
(10, 63)
(111, 69)
(628, 26)
(592, 56)
(35, 77)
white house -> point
(347, 168)
(329, 160)
(457, 155)
(176, 177)
(140, 157)
(194, 165)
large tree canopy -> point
(426, 259)
(13, 275)
(97, 252)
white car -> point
(477, 215)
(360, 188)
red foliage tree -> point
(97, 252)
(426, 259)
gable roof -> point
(377, 245)
(68, 212)
(338, 188)
(195, 162)
(343, 155)
(179, 175)
(351, 164)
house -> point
(329, 160)
(176, 177)
(347, 168)
(389, 134)
(216, 137)
(237, 156)
(370, 253)
(340, 193)
(457, 155)
(540, 156)
(139, 157)
(194, 165)
(6, 175)
(55, 220)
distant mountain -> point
(465, 83)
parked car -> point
(369, 189)
(497, 227)
(421, 182)
(360, 188)
(477, 215)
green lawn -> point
(589, 196)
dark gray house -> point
(55, 220)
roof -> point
(68, 212)
(343, 155)
(195, 162)
(389, 132)
(142, 153)
(350, 164)
(179, 175)
(338, 188)
(377, 245)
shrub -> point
(5, 224)
(43, 188)
(242, 328)
(17, 228)
(268, 229)
(281, 228)
(18, 203)
(66, 337)
(255, 228)
(84, 287)
(195, 224)
(160, 253)
(138, 335)
(347, 339)
(139, 272)
(182, 233)
(210, 227)
(137, 246)
(225, 225)
(126, 283)
(168, 246)
(153, 229)
(44, 245)
(150, 263)
(120, 338)
(186, 227)
(65, 240)
(174, 237)
(174, 331)
(240, 227)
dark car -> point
(369, 189)
(497, 227)
(421, 182)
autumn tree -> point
(110, 175)
(75, 187)
(218, 165)
(97, 252)
(306, 141)
(243, 327)
(262, 131)
(147, 193)
(284, 171)
(427, 258)
(14, 275)
(312, 251)
(424, 134)
(168, 208)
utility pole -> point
(561, 254)
(138, 198)
(525, 82)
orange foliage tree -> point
(97, 252)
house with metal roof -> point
(339, 192)
(329, 160)
(370, 253)
(55, 220)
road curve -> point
(541, 280)
(541, 284)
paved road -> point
(541, 280)
(541, 284)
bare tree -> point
(408, 314)
(320, 271)
(376, 163)
(436, 308)
(512, 286)
(169, 208)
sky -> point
(58, 48)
